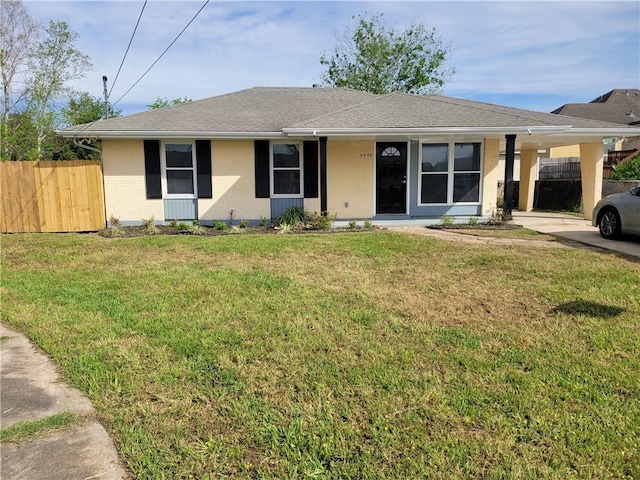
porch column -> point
(323, 175)
(491, 176)
(528, 170)
(510, 155)
(591, 163)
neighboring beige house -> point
(620, 106)
(353, 154)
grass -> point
(356, 355)
(519, 234)
(26, 430)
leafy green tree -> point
(36, 65)
(18, 33)
(19, 141)
(54, 62)
(84, 108)
(162, 102)
(81, 109)
(629, 170)
(378, 58)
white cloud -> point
(511, 52)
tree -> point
(41, 70)
(18, 34)
(377, 58)
(54, 62)
(162, 102)
(82, 108)
(629, 170)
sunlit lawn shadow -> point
(592, 309)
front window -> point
(179, 169)
(435, 173)
(287, 170)
(450, 173)
(466, 177)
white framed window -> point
(450, 173)
(179, 170)
(286, 169)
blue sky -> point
(536, 55)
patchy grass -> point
(520, 233)
(26, 430)
(368, 355)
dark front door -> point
(391, 178)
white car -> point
(618, 214)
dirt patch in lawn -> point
(485, 236)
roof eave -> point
(103, 134)
(606, 132)
(417, 131)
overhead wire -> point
(162, 54)
(128, 47)
(152, 65)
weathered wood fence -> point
(51, 196)
(562, 168)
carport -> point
(591, 143)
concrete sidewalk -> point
(576, 229)
(31, 390)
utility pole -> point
(106, 97)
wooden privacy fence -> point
(562, 168)
(51, 196)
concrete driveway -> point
(575, 228)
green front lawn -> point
(356, 355)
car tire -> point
(609, 224)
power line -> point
(148, 69)
(162, 54)
(128, 46)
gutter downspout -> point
(87, 147)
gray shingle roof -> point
(266, 109)
(615, 106)
(257, 109)
(401, 110)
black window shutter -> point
(152, 175)
(203, 161)
(263, 189)
(310, 151)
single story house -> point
(254, 153)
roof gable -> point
(621, 106)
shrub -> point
(498, 217)
(244, 223)
(367, 223)
(196, 228)
(297, 217)
(116, 230)
(149, 226)
(629, 170)
(317, 221)
(473, 221)
(183, 227)
(220, 225)
(292, 216)
(284, 228)
(446, 220)
(353, 224)
(263, 221)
